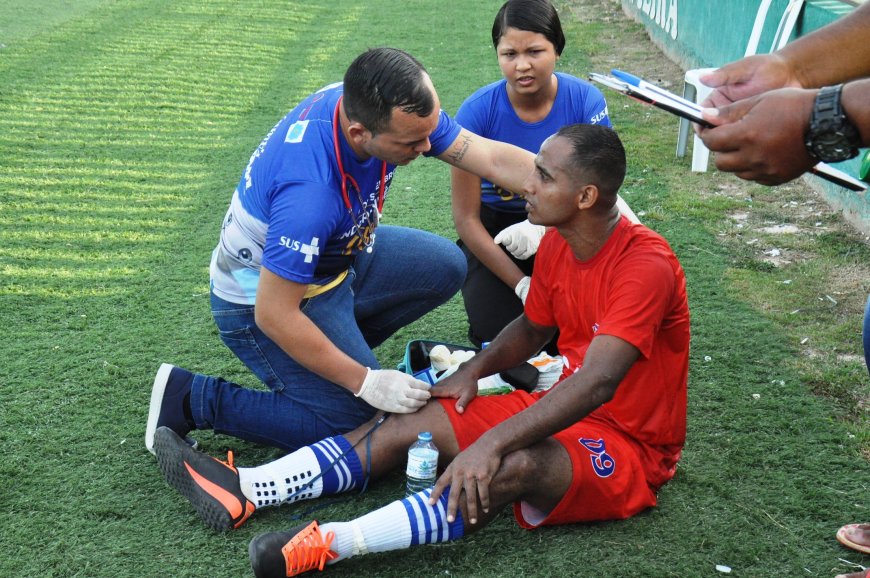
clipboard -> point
(658, 97)
(649, 93)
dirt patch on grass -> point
(629, 47)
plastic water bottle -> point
(422, 464)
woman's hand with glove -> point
(521, 239)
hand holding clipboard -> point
(649, 93)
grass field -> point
(124, 126)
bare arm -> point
(504, 164)
(278, 315)
(856, 104)
(607, 361)
(465, 192)
(835, 53)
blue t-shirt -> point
(288, 213)
(488, 113)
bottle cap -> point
(424, 436)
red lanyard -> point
(346, 177)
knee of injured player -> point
(388, 444)
(539, 475)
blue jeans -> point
(407, 274)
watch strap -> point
(831, 137)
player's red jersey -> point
(634, 289)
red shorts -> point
(608, 480)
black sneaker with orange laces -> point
(290, 553)
(210, 485)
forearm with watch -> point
(838, 124)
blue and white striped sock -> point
(400, 524)
(347, 473)
(297, 476)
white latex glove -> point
(394, 391)
(522, 288)
(626, 210)
(521, 239)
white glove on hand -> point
(522, 288)
(521, 239)
(393, 391)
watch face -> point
(832, 146)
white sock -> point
(275, 482)
(384, 529)
(397, 525)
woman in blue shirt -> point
(528, 105)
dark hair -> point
(381, 79)
(532, 15)
(598, 155)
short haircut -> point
(533, 16)
(597, 155)
(381, 79)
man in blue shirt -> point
(303, 281)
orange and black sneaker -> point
(210, 485)
(284, 554)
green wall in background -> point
(701, 33)
(710, 33)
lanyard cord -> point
(310, 484)
(345, 177)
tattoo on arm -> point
(459, 151)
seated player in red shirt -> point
(597, 446)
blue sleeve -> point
(303, 219)
(444, 135)
(469, 115)
(596, 108)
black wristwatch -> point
(831, 137)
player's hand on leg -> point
(461, 386)
(469, 474)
